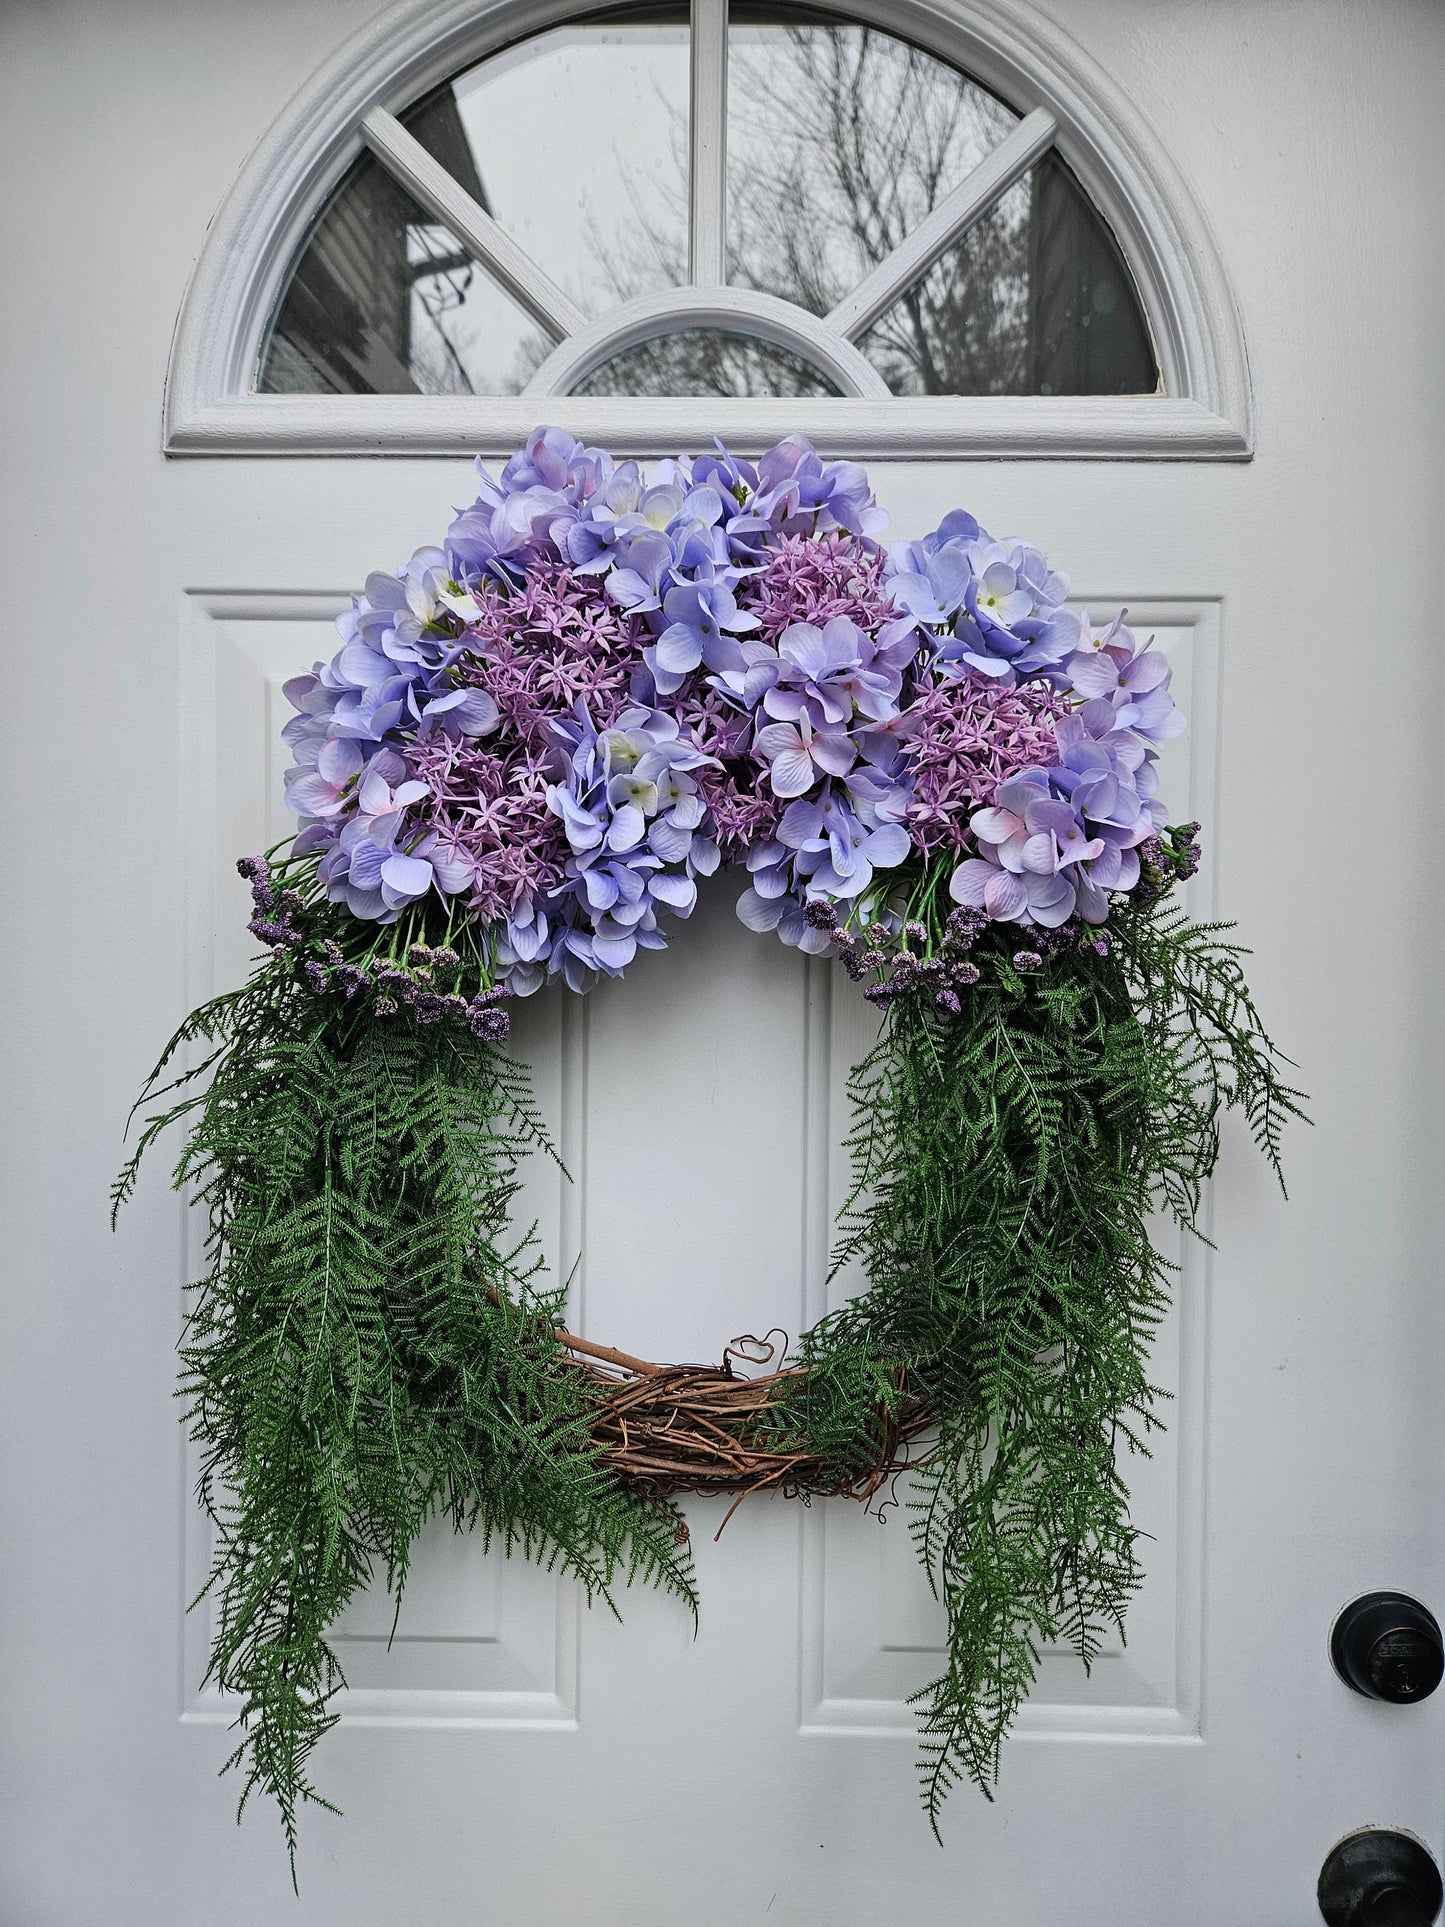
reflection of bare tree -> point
(840, 141)
(704, 362)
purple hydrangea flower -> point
(995, 607)
(798, 493)
(605, 671)
(636, 831)
(703, 622)
(1131, 677)
(1057, 840)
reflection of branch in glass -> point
(840, 141)
(705, 361)
(963, 328)
(646, 264)
(440, 278)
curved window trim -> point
(1205, 412)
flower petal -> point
(1004, 897)
(627, 828)
(759, 913)
(800, 823)
(1051, 900)
(679, 649)
(832, 751)
(995, 825)
(793, 773)
(678, 893)
(888, 845)
(406, 876)
(669, 841)
(1038, 855)
(339, 760)
(969, 880)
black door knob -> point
(1378, 1879)
(1388, 1647)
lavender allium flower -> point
(973, 734)
(815, 579)
(537, 649)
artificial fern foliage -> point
(1007, 1161)
(370, 1346)
(372, 1343)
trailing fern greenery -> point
(1007, 1161)
(371, 1345)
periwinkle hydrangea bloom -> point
(703, 624)
(555, 720)
(382, 859)
(1133, 680)
(995, 608)
(825, 703)
(928, 578)
(635, 827)
(1057, 840)
(797, 493)
(543, 489)
(392, 685)
(393, 675)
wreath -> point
(531, 745)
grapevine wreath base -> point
(532, 747)
(704, 1428)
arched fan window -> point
(761, 200)
(915, 228)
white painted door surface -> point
(516, 1760)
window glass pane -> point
(576, 143)
(705, 361)
(840, 140)
(384, 300)
(1087, 332)
(1033, 300)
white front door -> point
(513, 1758)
